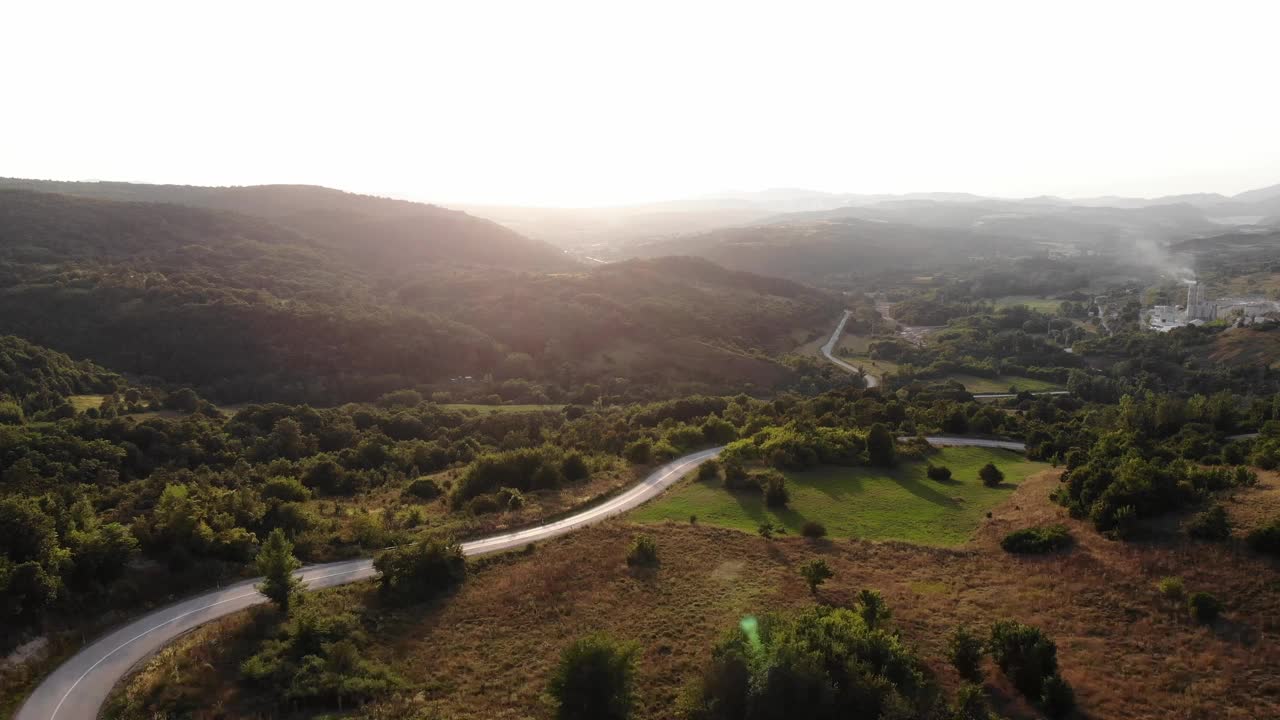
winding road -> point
(827, 350)
(80, 686)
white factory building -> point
(1200, 309)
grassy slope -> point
(488, 652)
(900, 504)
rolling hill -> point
(368, 230)
(244, 308)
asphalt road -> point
(827, 350)
(954, 441)
(80, 686)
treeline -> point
(35, 382)
(198, 493)
(1173, 362)
(1010, 341)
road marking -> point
(554, 529)
(148, 631)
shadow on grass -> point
(921, 490)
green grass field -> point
(84, 402)
(874, 504)
(500, 408)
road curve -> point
(827, 350)
(79, 687)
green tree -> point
(638, 452)
(872, 608)
(965, 650)
(1204, 607)
(421, 571)
(815, 572)
(276, 564)
(709, 470)
(1025, 654)
(880, 446)
(971, 703)
(574, 467)
(594, 680)
(990, 475)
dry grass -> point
(488, 652)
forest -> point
(243, 309)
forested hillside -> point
(831, 251)
(366, 229)
(244, 309)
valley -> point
(500, 453)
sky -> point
(597, 103)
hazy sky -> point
(587, 103)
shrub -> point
(736, 477)
(774, 486)
(718, 431)
(767, 530)
(815, 572)
(1124, 522)
(10, 413)
(643, 551)
(664, 450)
(524, 469)
(813, 530)
(1057, 699)
(1266, 539)
(509, 499)
(420, 572)
(1025, 654)
(546, 477)
(1212, 524)
(817, 663)
(574, 468)
(872, 608)
(971, 703)
(289, 489)
(594, 680)
(483, 505)
(1040, 539)
(424, 488)
(964, 650)
(638, 452)
(938, 473)
(1204, 607)
(709, 471)
(1171, 588)
(990, 475)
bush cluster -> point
(1040, 539)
